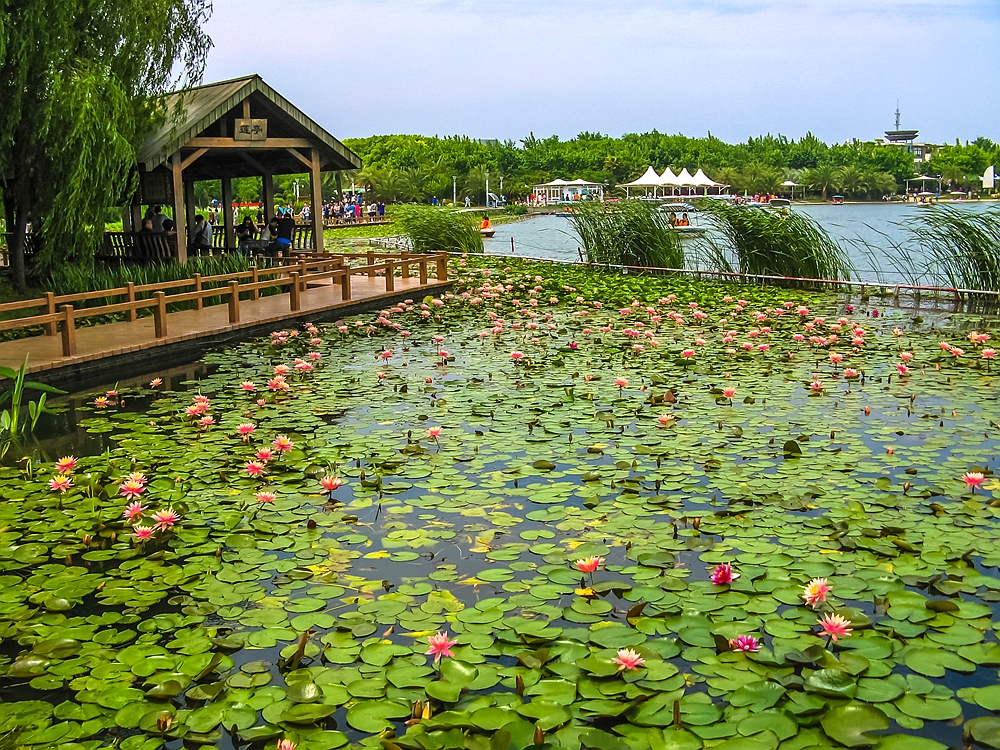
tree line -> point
(417, 168)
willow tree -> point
(80, 83)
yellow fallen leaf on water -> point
(585, 592)
(473, 581)
(377, 555)
(831, 551)
(573, 543)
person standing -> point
(201, 238)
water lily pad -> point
(851, 724)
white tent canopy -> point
(685, 179)
(668, 178)
(701, 179)
(649, 179)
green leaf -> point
(851, 724)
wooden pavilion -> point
(236, 128)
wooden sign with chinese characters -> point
(155, 186)
(250, 130)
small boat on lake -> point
(489, 232)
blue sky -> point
(736, 68)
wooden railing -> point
(295, 273)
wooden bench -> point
(31, 247)
(138, 247)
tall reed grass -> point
(963, 247)
(435, 230)
(753, 240)
(631, 233)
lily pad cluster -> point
(551, 508)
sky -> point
(735, 68)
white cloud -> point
(737, 68)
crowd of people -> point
(352, 211)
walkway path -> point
(113, 341)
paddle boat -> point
(837, 200)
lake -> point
(880, 225)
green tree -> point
(80, 86)
(953, 174)
(851, 179)
(884, 183)
(823, 178)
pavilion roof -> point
(191, 112)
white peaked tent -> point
(684, 179)
(701, 179)
(649, 179)
(668, 178)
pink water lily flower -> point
(60, 483)
(131, 489)
(255, 468)
(745, 643)
(665, 418)
(835, 626)
(143, 533)
(166, 518)
(265, 498)
(973, 479)
(248, 386)
(331, 483)
(589, 564)
(245, 430)
(440, 645)
(285, 744)
(65, 465)
(724, 574)
(133, 511)
(155, 382)
(815, 592)
(282, 444)
(621, 382)
(434, 433)
(627, 659)
(265, 454)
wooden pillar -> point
(227, 217)
(180, 225)
(191, 209)
(316, 210)
(268, 180)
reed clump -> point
(434, 230)
(631, 233)
(963, 247)
(753, 240)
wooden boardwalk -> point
(151, 339)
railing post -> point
(68, 331)
(422, 265)
(405, 270)
(390, 275)
(160, 316)
(442, 267)
(234, 302)
(50, 308)
(293, 293)
(130, 313)
(197, 287)
(345, 285)
(371, 262)
(255, 278)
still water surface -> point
(879, 225)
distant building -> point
(922, 152)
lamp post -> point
(487, 188)
(454, 192)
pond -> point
(866, 231)
(556, 508)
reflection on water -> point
(879, 225)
